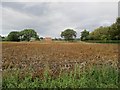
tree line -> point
(102, 33)
(24, 35)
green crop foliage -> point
(95, 77)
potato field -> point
(57, 57)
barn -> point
(48, 39)
(32, 39)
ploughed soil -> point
(35, 57)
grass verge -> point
(94, 77)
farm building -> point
(32, 39)
(48, 39)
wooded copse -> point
(102, 33)
(24, 35)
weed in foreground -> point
(95, 77)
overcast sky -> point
(50, 18)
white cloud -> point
(60, 0)
(13, 19)
(49, 19)
(0, 18)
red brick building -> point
(48, 39)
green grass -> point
(95, 77)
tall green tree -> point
(68, 34)
(115, 30)
(118, 27)
(13, 36)
(0, 38)
(27, 34)
(84, 35)
(101, 33)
